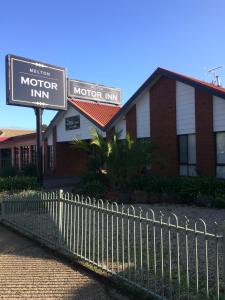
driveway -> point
(28, 271)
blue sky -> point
(116, 43)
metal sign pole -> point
(38, 112)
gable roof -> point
(97, 112)
(154, 77)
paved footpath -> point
(28, 271)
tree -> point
(44, 127)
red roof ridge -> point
(209, 84)
(93, 102)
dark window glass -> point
(5, 160)
(183, 147)
(33, 154)
(187, 155)
(220, 154)
(16, 157)
(24, 156)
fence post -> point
(60, 217)
(3, 210)
(223, 232)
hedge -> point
(18, 183)
(200, 190)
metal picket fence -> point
(165, 257)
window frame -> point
(187, 164)
(25, 156)
(217, 164)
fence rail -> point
(166, 257)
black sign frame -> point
(72, 123)
(58, 71)
(94, 91)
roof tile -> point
(100, 113)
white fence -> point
(165, 257)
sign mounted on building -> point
(72, 123)
(90, 91)
(35, 84)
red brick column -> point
(131, 122)
(163, 125)
(205, 144)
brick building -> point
(184, 116)
(60, 159)
(17, 149)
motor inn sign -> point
(35, 84)
(90, 91)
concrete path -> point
(28, 271)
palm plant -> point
(97, 148)
(128, 159)
(122, 160)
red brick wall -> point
(69, 162)
(205, 144)
(163, 124)
(131, 123)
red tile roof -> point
(99, 112)
(3, 139)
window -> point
(220, 154)
(24, 156)
(33, 153)
(50, 157)
(16, 157)
(5, 158)
(187, 155)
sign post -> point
(39, 112)
(39, 85)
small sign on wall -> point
(72, 123)
(35, 84)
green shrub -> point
(200, 190)
(94, 188)
(17, 183)
(91, 176)
(30, 170)
(8, 171)
(219, 202)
